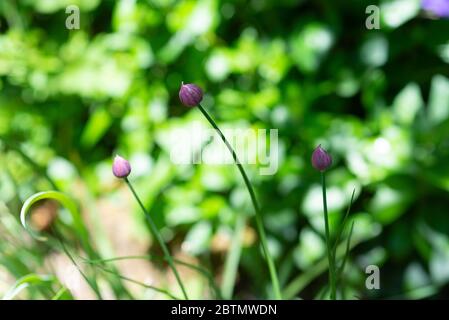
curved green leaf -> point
(67, 202)
(26, 281)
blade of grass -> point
(78, 225)
(92, 283)
(199, 269)
(168, 294)
(27, 281)
(343, 224)
(348, 244)
(303, 280)
(103, 245)
(232, 259)
(345, 257)
(159, 239)
(57, 240)
(67, 203)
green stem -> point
(258, 216)
(137, 282)
(92, 283)
(196, 268)
(159, 239)
(330, 256)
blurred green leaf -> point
(439, 100)
(27, 281)
(99, 122)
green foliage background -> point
(378, 100)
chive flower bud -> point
(190, 94)
(439, 8)
(321, 160)
(121, 167)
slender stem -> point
(194, 267)
(258, 216)
(330, 256)
(137, 282)
(92, 283)
(159, 239)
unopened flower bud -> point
(321, 160)
(121, 167)
(190, 94)
(438, 8)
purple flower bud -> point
(190, 94)
(121, 167)
(321, 160)
(439, 8)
